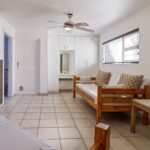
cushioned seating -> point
(91, 91)
(112, 97)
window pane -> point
(113, 51)
(131, 55)
(131, 40)
(122, 49)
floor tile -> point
(16, 122)
(47, 105)
(69, 133)
(47, 116)
(61, 110)
(30, 123)
(114, 133)
(33, 110)
(125, 131)
(48, 123)
(63, 115)
(79, 115)
(33, 116)
(48, 133)
(53, 143)
(65, 123)
(76, 121)
(75, 109)
(50, 109)
(16, 116)
(141, 143)
(83, 123)
(121, 144)
(33, 131)
(60, 105)
(35, 105)
(59, 101)
(72, 144)
(19, 110)
(87, 132)
(89, 142)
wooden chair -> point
(102, 137)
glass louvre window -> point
(122, 49)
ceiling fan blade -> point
(55, 22)
(84, 29)
(55, 27)
(81, 24)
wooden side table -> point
(143, 104)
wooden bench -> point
(139, 104)
(105, 104)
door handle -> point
(18, 63)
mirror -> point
(67, 62)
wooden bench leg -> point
(145, 118)
(74, 94)
(133, 119)
(102, 137)
(98, 116)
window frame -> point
(122, 37)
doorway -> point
(7, 52)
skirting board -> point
(43, 94)
(53, 92)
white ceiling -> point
(97, 13)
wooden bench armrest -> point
(77, 78)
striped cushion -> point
(102, 77)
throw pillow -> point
(102, 77)
(131, 81)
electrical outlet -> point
(20, 88)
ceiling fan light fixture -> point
(68, 27)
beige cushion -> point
(118, 86)
(131, 81)
(85, 80)
(102, 77)
(91, 91)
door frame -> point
(11, 70)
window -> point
(122, 49)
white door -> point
(27, 66)
(53, 64)
(86, 56)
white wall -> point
(140, 20)
(6, 28)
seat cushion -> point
(91, 91)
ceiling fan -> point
(69, 25)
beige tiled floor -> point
(68, 124)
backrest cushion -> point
(102, 77)
(114, 79)
(85, 80)
(131, 81)
(145, 82)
